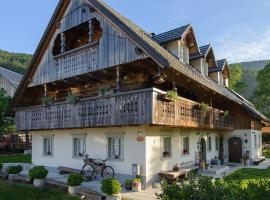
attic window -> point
(77, 37)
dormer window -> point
(77, 36)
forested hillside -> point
(17, 62)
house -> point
(100, 85)
(9, 81)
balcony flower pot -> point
(136, 185)
(39, 174)
(171, 95)
(74, 183)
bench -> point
(172, 175)
(67, 170)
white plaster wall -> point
(173, 47)
(197, 64)
(154, 161)
(96, 147)
(249, 145)
(205, 66)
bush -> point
(38, 172)
(111, 186)
(205, 189)
(1, 166)
(14, 169)
(128, 184)
(75, 179)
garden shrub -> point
(204, 188)
(75, 179)
(38, 172)
(14, 169)
(1, 166)
(111, 186)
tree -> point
(6, 123)
(261, 96)
(236, 81)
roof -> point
(219, 67)
(174, 34)
(11, 76)
(204, 50)
(144, 41)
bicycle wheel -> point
(107, 172)
(88, 172)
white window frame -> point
(217, 143)
(45, 151)
(209, 143)
(188, 146)
(116, 136)
(83, 145)
(164, 145)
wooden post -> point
(118, 79)
(90, 33)
(45, 90)
(63, 42)
(27, 140)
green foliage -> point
(261, 96)
(75, 179)
(17, 158)
(7, 125)
(204, 106)
(206, 189)
(38, 172)
(172, 94)
(1, 166)
(46, 100)
(128, 184)
(111, 186)
(16, 62)
(105, 90)
(226, 113)
(19, 191)
(14, 169)
(72, 98)
(136, 180)
(236, 82)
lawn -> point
(15, 158)
(17, 191)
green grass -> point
(15, 158)
(17, 191)
(249, 174)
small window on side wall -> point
(217, 143)
(48, 145)
(79, 147)
(209, 143)
(185, 145)
(166, 147)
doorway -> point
(235, 149)
(203, 149)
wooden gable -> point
(114, 47)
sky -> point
(238, 29)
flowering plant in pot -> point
(112, 189)
(13, 171)
(74, 183)
(136, 185)
(38, 174)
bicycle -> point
(92, 167)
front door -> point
(203, 149)
(235, 149)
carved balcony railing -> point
(78, 61)
(128, 108)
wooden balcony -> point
(128, 108)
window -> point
(115, 148)
(209, 142)
(48, 146)
(79, 147)
(255, 141)
(167, 147)
(217, 143)
(185, 145)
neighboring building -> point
(97, 85)
(9, 80)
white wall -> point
(96, 147)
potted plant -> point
(13, 171)
(105, 91)
(136, 185)
(74, 183)
(112, 189)
(204, 106)
(47, 100)
(226, 113)
(171, 95)
(176, 168)
(72, 98)
(128, 184)
(38, 174)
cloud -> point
(243, 44)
